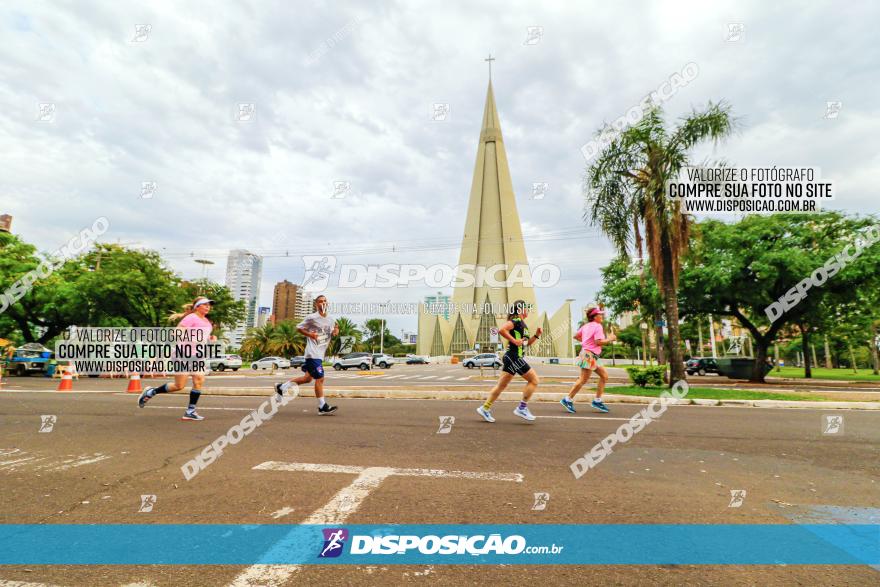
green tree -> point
(258, 342)
(625, 192)
(374, 338)
(346, 328)
(740, 269)
(286, 340)
(227, 311)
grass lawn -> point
(823, 373)
(710, 393)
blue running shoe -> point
(486, 414)
(146, 395)
(600, 405)
(568, 405)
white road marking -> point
(80, 461)
(591, 418)
(339, 508)
(282, 512)
(447, 377)
(462, 378)
(202, 408)
(4, 583)
(427, 377)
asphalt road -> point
(557, 377)
(103, 454)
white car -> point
(382, 360)
(272, 363)
(226, 362)
(483, 360)
(360, 360)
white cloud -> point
(344, 91)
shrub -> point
(644, 376)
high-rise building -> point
(304, 303)
(284, 301)
(492, 237)
(290, 302)
(244, 271)
(439, 305)
(263, 315)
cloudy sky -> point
(344, 91)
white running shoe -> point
(486, 414)
(524, 413)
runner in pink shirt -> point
(193, 318)
(592, 338)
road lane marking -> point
(282, 512)
(339, 508)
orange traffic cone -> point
(66, 382)
(134, 384)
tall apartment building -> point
(439, 305)
(263, 315)
(290, 302)
(244, 271)
(304, 303)
(284, 301)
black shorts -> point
(514, 365)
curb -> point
(475, 395)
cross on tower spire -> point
(490, 59)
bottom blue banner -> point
(636, 544)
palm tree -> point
(286, 340)
(258, 341)
(346, 328)
(625, 192)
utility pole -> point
(712, 337)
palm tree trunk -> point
(670, 301)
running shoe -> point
(326, 409)
(568, 405)
(523, 413)
(191, 415)
(146, 395)
(486, 414)
(600, 405)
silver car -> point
(272, 363)
(483, 360)
(382, 360)
(361, 361)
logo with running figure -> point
(832, 424)
(318, 269)
(334, 542)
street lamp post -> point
(204, 263)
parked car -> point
(226, 362)
(414, 360)
(270, 363)
(482, 360)
(701, 366)
(27, 359)
(297, 361)
(360, 360)
(383, 360)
